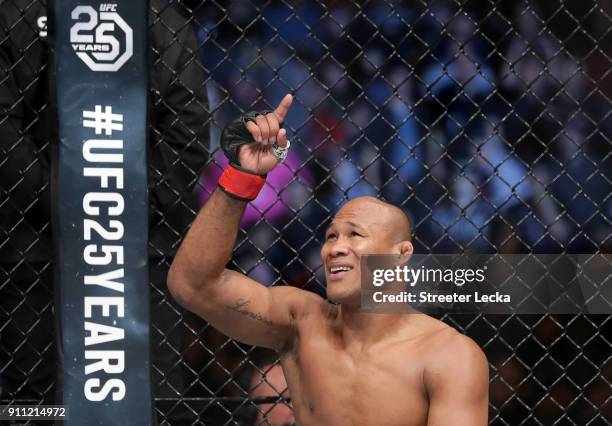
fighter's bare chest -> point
(371, 387)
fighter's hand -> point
(247, 141)
(265, 131)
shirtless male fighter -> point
(343, 366)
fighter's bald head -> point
(391, 219)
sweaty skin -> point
(343, 367)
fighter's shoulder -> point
(448, 342)
(450, 351)
(437, 340)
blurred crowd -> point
(489, 133)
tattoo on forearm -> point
(240, 307)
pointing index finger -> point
(283, 107)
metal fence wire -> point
(487, 121)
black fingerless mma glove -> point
(235, 134)
(235, 181)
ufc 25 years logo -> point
(102, 39)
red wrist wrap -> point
(241, 184)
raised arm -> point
(234, 304)
(457, 383)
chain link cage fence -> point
(487, 121)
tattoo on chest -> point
(241, 306)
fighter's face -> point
(353, 233)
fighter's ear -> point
(404, 253)
(405, 249)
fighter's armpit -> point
(301, 304)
